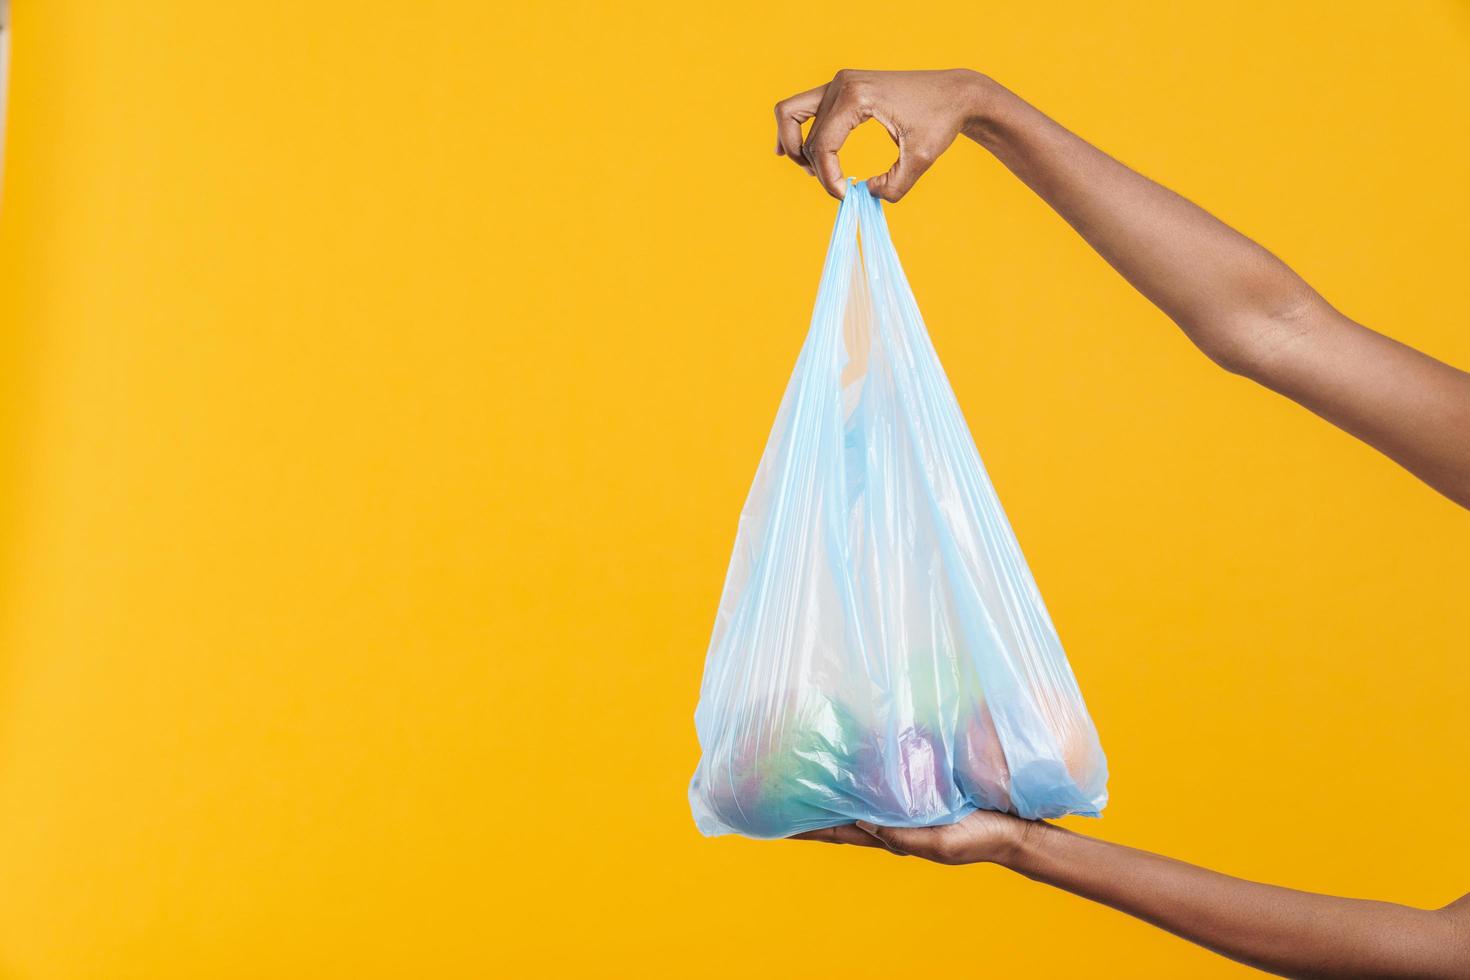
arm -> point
(1237, 302)
(1280, 930)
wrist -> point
(984, 104)
(1025, 845)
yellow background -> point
(380, 383)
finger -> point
(889, 837)
(906, 170)
(903, 841)
(823, 143)
(833, 122)
(829, 95)
(790, 114)
(844, 834)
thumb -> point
(901, 177)
(892, 838)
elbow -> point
(1232, 346)
(1262, 342)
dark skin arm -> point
(1236, 301)
(1251, 314)
(1280, 930)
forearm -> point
(1292, 933)
(1239, 304)
(1218, 285)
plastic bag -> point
(881, 651)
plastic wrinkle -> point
(881, 651)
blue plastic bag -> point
(881, 650)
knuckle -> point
(842, 75)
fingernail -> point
(866, 827)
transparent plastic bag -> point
(881, 651)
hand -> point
(982, 836)
(922, 110)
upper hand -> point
(922, 110)
(982, 836)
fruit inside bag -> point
(881, 651)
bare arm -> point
(1293, 933)
(1239, 304)
(1280, 930)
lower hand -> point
(984, 835)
